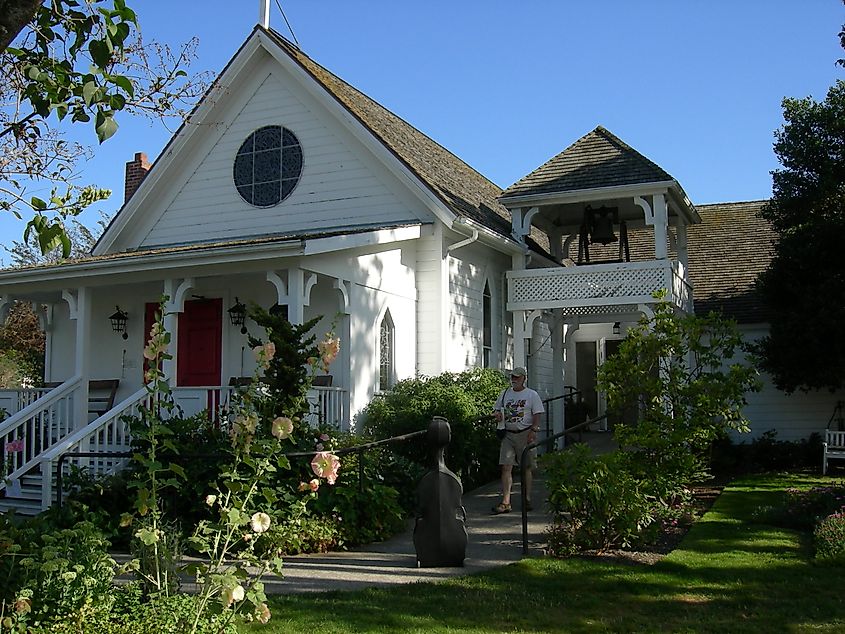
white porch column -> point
(519, 336)
(296, 292)
(681, 246)
(558, 371)
(657, 215)
(176, 291)
(82, 366)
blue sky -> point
(696, 86)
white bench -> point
(834, 447)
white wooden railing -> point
(329, 405)
(37, 427)
(108, 433)
(598, 286)
(213, 399)
(13, 401)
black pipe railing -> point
(523, 464)
(359, 449)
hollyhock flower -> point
(303, 486)
(326, 465)
(260, 522)
(324, 437)
(231, 595)
(264, 353)
(14, 446)
(23, 605)
(314, 485)
(262, 613)
(282, 427)
(318, 446)
(328, 349)
(210, 499)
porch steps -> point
(29, 500)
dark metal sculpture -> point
(440, 535)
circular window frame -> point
(268, 166)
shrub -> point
(465, 400)
(597, 503)
(765, 453)
(56, 572)
(165, 615)
(829, 538)
(804, 508)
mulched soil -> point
(669, 538)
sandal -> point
(500, 508)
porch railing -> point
(328, 405)
(596, 286)
(107, 434)
(24, 436)
(13, 401)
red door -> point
(200, 342)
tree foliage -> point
(77, 61)
(679, 373)
(804, 285)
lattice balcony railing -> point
(598, 287)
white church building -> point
(288, 186)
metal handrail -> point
(573, 391)
(523, 463)
(359, 449)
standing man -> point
(518, 409)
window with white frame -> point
(487, 327)
(386, 353)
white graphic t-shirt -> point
(518, 408)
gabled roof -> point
(727, 251)
(459, 188)
(596, 160)
(462, 189)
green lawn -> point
(731, 574)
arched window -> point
(386, 353)
(487, 327)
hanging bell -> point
(602, 225)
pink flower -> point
(14, 446)
(326, 465)
(318, 446)
(262, 613)
(324, 437)
(264, 353)
(314, 485)
(328, 349)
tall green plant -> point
(229, 575)
(679, 373)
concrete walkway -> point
(493, 541)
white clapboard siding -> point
(466, 284)
(429, 304)
(793, 416)
(338, 187)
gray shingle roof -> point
(727, 252)
(598, 159)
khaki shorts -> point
(511, 449)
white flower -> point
(260, 522)
(210, 499)
(282, 427)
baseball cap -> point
(518, 372)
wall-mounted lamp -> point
(237, 315)
(617, 328)
(118, 322)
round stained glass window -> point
(268, 166)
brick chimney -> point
(136, 170)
